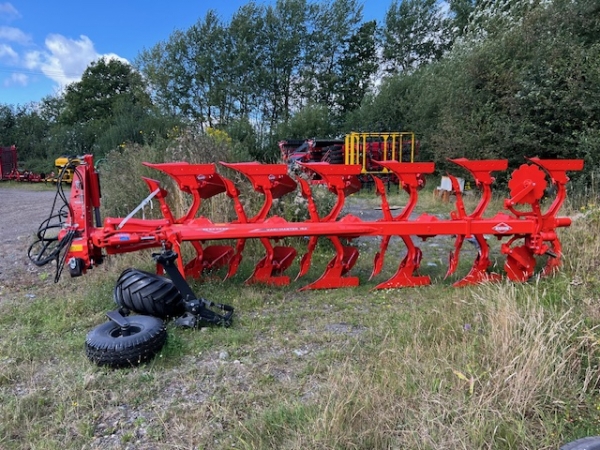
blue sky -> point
(47, 44)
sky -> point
(45, 45)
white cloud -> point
(6, 51)
(64, 59)
(15, 79)
(8, 11)
(14, 35)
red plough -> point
(528, 231)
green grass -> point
(500, 366)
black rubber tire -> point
(336, 160)
(587, 443)
(105, 345)
(148, 293)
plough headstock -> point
(528, 232)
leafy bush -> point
(121, 181)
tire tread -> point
(586, 443)
(148, 293)
(105, 350)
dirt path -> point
(21, 212)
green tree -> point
(416, 32)
(243, 60)
(31, 131)
(311, 121)
(103, 84)
(461, 11)
(532, 89)
(89, 106)
(152, 64)
(7, 125)
(245, 141)
(358, 65)
(185, 73)
(285, 39)
(51, 107)
(24, 126)
(335, 24)
(385, 111)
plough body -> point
(529, 231)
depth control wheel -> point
(148, 293)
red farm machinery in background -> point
(8, 162)
(363, 149)
(527, 231)
(9, 168)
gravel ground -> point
(21, 213)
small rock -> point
(223, 355)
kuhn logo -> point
(502, 228)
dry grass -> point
(499, 381)
(503, 366)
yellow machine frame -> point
(392, 144)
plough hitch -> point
(526, 229)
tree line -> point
(473, 78)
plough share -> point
(528, 231)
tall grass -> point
(497, 366)
(506, 379)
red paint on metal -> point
(529, 232)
